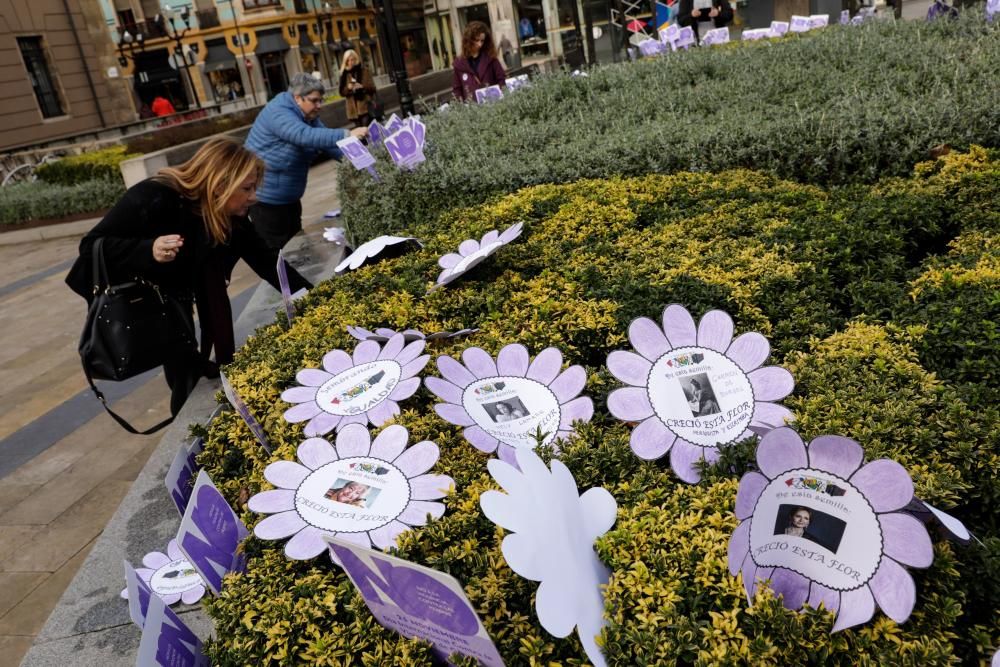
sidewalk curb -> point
(48, 232)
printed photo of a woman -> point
(351, 493)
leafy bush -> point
(806, 266)
(805, 108)
(39, 201)
(76, 169)
(173, 135)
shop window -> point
(39, 73)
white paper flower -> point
(504, 402)
(694, 389)
(170, 576)
(376, 247)
(362, 491)
(471, 253)
(382, 334)
(335, 235)
(553, 529)
(356, 389)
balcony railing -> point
(261, 4)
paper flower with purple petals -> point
(471, 253)
(367, 492)
(382, 247)
(356, 389)
(695, 389)
(503, 402)
(382, 334)
(170, 576)
(826, 528)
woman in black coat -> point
(704, 15)
(184, 230)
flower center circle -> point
(701, 395)
(175, 577)
(819, 525)
(359, 388)
(352, 495)
(478, 255)
(513, 409)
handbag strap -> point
(121, 421)
(98, 269)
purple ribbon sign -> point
(404, 149)
(416, 602)
(181, 473)
(210, 534)
(139, 594)
(488, 94)
(358, 154)
(167, 641)
(244, 412)
(286, 291)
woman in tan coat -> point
(357, 87)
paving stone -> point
(29, 615)
(13, 538)
(13, 648)
(16, 586)
(13, 492)
(64, 538)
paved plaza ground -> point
(64, 464)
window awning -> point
(219, 57)
(271, 42)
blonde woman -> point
(184, 230)
(357, 87)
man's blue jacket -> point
(287, 143)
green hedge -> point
(39, 201)
(76, 169)
(845, 104)
(813, 269)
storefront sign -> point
(417, 602)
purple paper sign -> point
(992, 9)
(819, 21)
(685, 38)
(758, 33)
(286, 292)
(244, 412)
(417, 602)
(418, 128)
(181, 474)
(167, 641)
(670, 34)
(210, 534)
(488, 94)
(715, 36)
(376, 133)
(359, 155)
(404, 149)
(652, 47)
(779, 28)
(800, 24)
(139, 594)
(516, 82)
(824, 527)
(845, 17)
(393, 125)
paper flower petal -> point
(647, 338)
(418, 459)
(479, 362)
(480, 439)
(315, 453)
(679, 326)
(444, 390)
(651, 439)
(749, 351)
(771, 383)
(629, 367)
(751, 486)
(390, 443)
(513, 360)
(353, 440)
(630, 404)
(683, 458)
(430, 487)
(906, 540)
(885, 483)
(715, 331)
(285, 474)
(270, 502)
(569, 383)
(302, 412)
(792, 585)
(780, 450)
(546, 365)
(894, 590)
(739, 546)
(819, 594)
(279, 526)
(305, 544)
(337, 361)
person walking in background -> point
(162, 107)
(184, 230)
(287, 135)
(478, 66)
(704, 15)
(357, 87)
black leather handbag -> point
(131, 328)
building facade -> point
(52, 81)
(209, 52)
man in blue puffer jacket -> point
(287, 135)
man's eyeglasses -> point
(315, 101)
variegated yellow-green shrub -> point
(820, 272)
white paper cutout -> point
(382, 334)
(335, 235)
(553, 529)
(471, 253)
(168, 575)
(373, 248)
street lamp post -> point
(243, 53)
(321, 24)
(127, 46)
(397, 65)
(177, 37)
